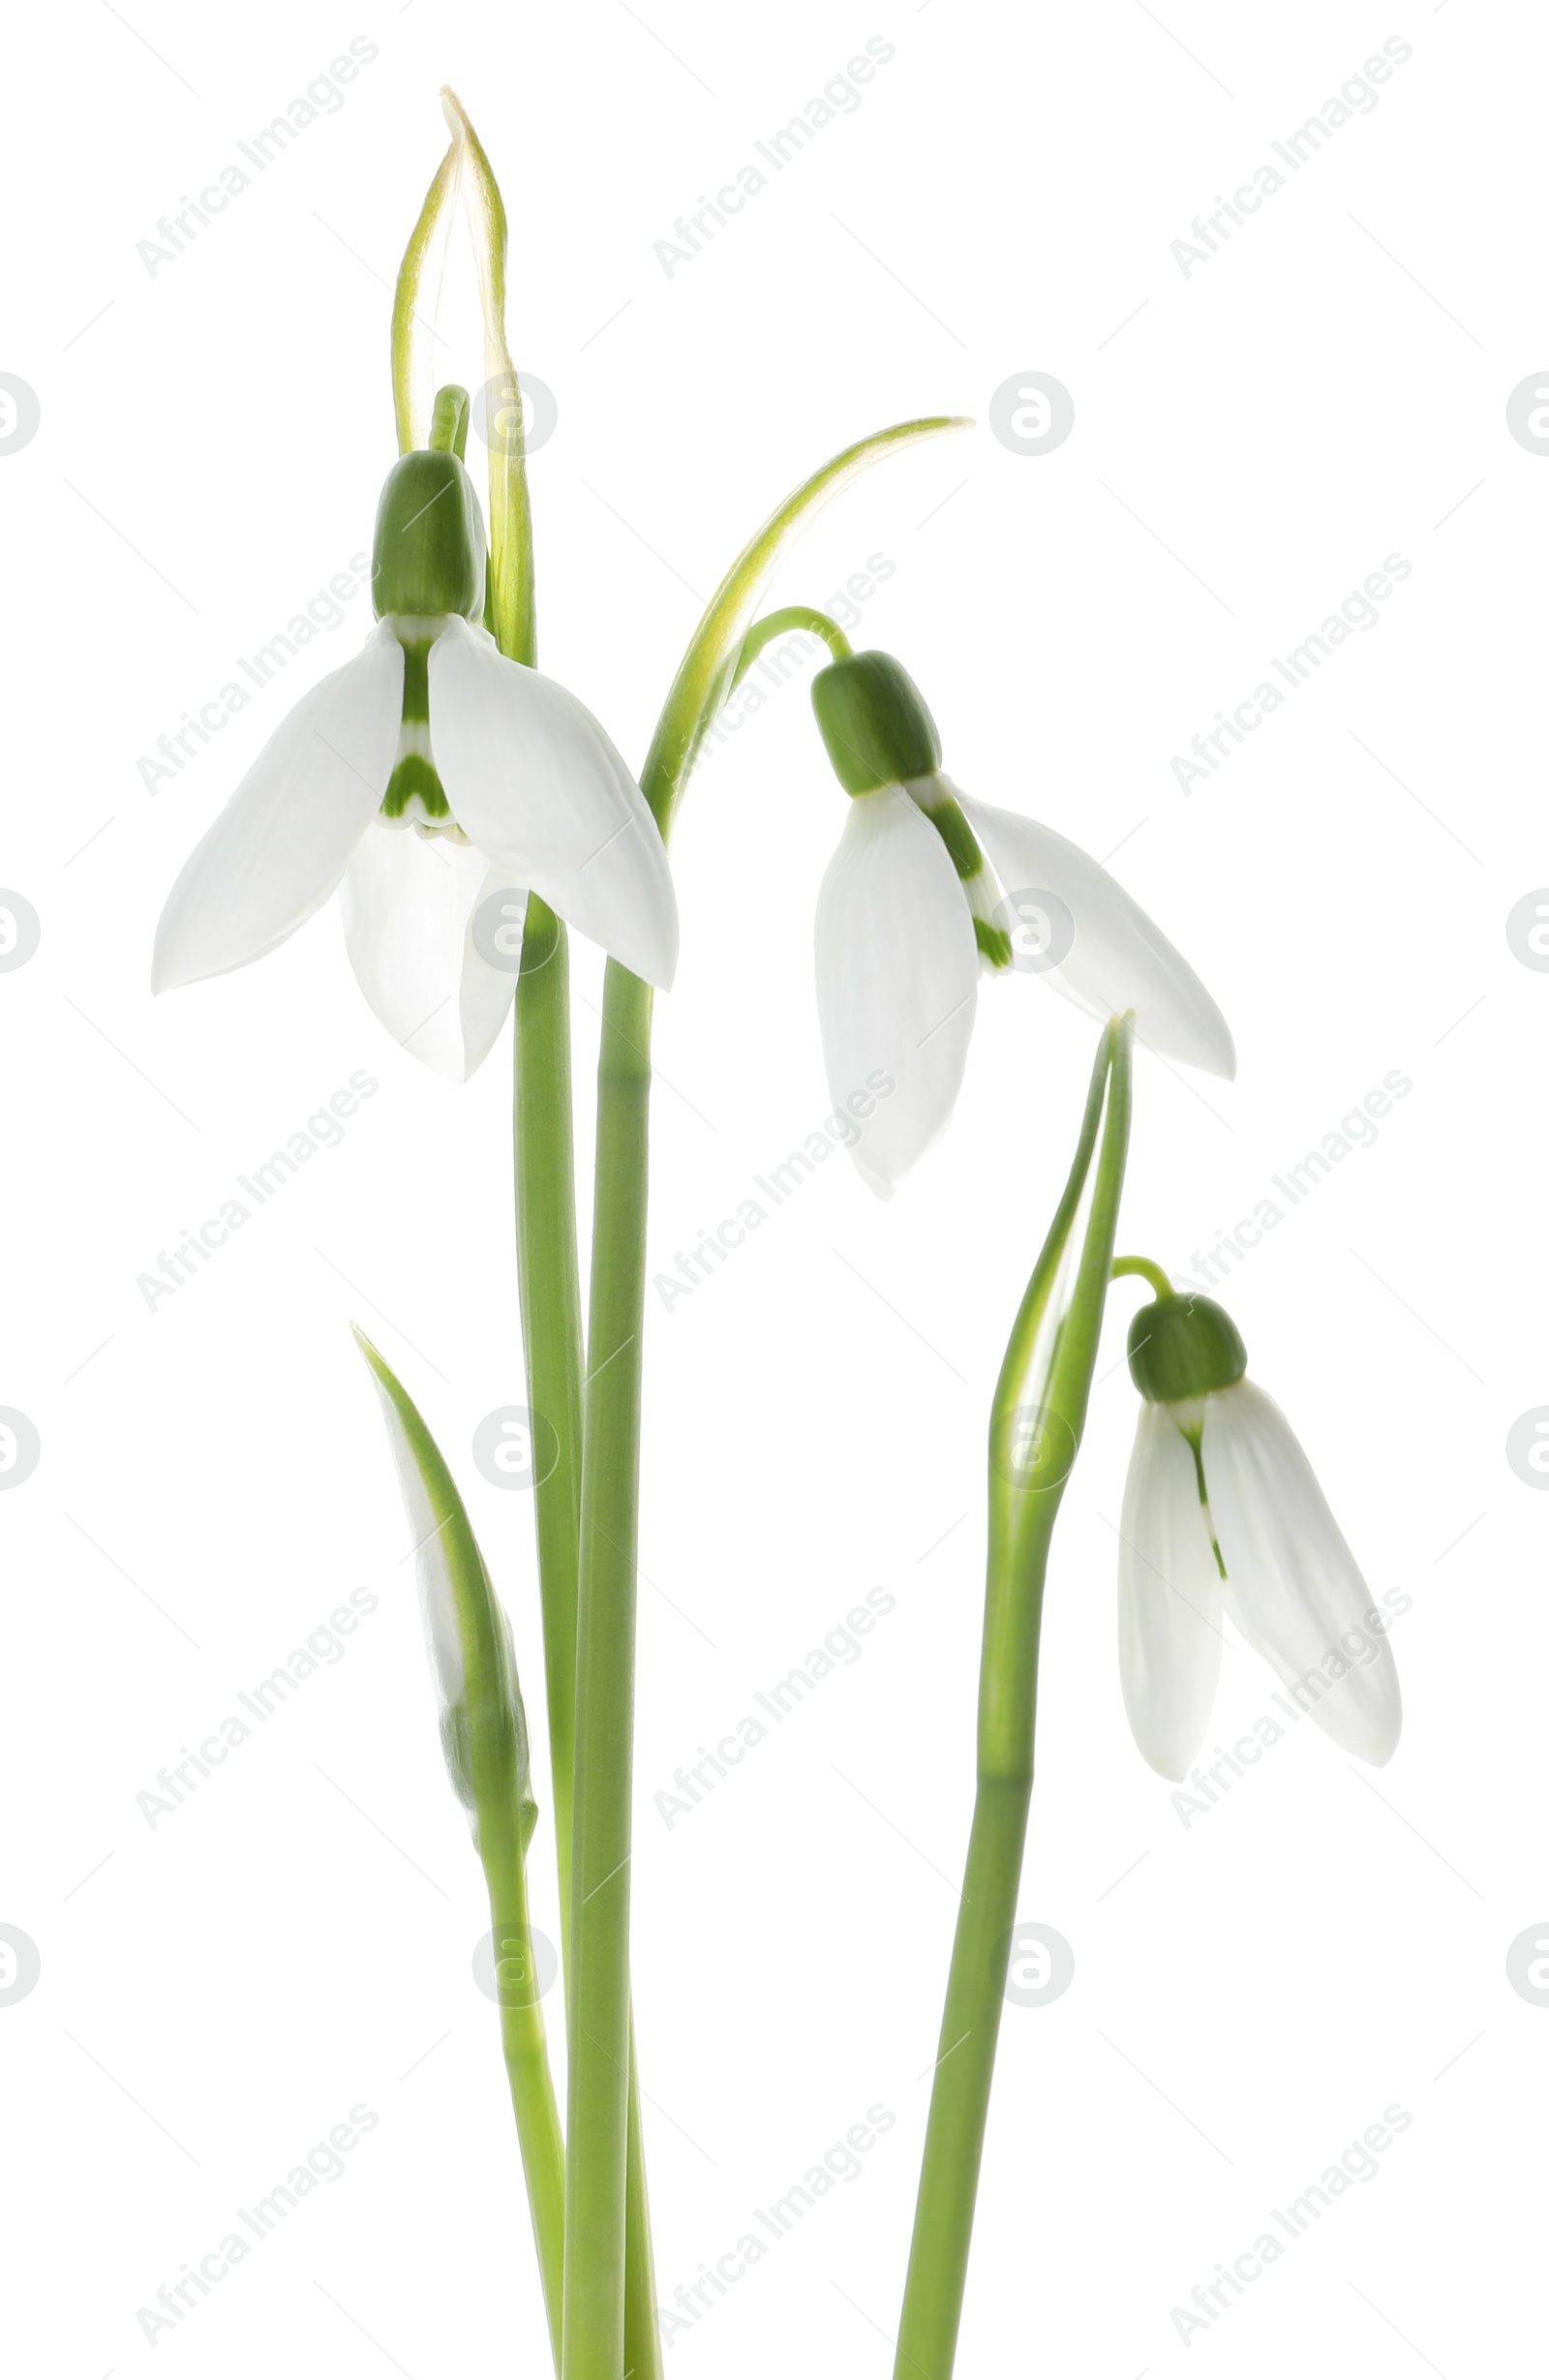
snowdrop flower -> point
(1223, 1518)
(927, 891)
(437, 783)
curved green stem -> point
(598, 2023)
(795, 617)
(1050, 1359)
(1143, 1266)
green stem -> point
(1143, 1266)
(598, 2027)
(602, 2214)
(642, 2332)
(549, 1278)
(795, 616)
(523, 2041)
(1022, 1523)
(959, 2099)
(550, 1334)
(484, 1737)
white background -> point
(1251, 1990)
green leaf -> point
(412, 329)
(1039, 1405)
(1041, 1398)
(706, 671)
(513, 623)
(483, 1725)
(465, 174)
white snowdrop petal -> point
(284, 840)
(1292, 1585)
(1117, 959)
(533, 780)
(897, 975)
(410, 904)
(1170, 1599)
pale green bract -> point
(1035, 1431)
(483, 1724)
(708, 667)
(484, 1738)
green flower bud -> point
(874, 721)
(427, 561)
(1182, 1348)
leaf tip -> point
(376, 1362)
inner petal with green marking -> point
(1194, 1432)
(416, 796)
(981, 887)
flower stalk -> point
(1036, 1424)
(548, 1276)
(598, 2127)
(791, 620)
(485, 1742)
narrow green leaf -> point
(706, 671)
(412, 324)
(1039, 1405)
(483, 1724)
(514, 625)
(484, 1737)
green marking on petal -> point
(414, 789)
(962, 848)
(1196, 1439)
(414, 781)
(994, 944)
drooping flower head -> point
(1222, 1518)
(438, 783)
(930, 889)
